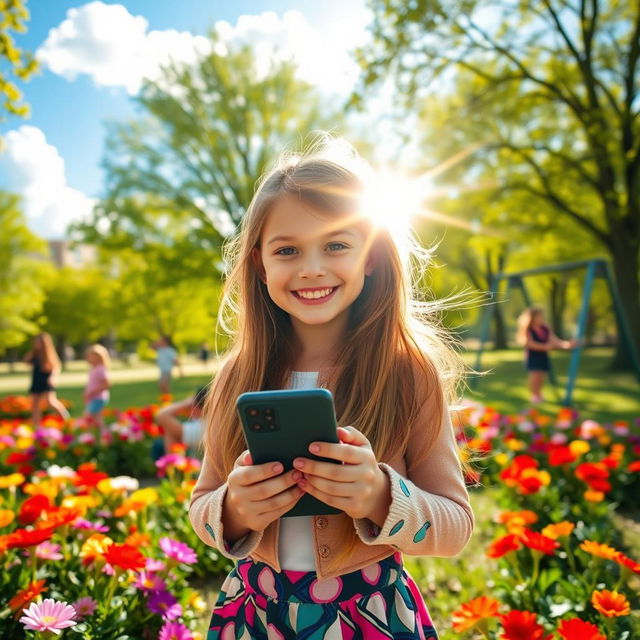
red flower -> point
(18, 457)
(561, 455)
(32, 508)
(595, 474)
(25, 596)
(576, 629)
(522, 625)
(28, 538)
(628, 562)
(87, 476)
(124, 556)
(503, 545)
(634, 466)
(538, 542)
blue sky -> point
(52, 158)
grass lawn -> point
(599, 393)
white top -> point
(295, 543)
(166, 358)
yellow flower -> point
(44, 488)
(94, 547)
(197, 602)
(24, 443)
(558, 530)
(148, 496)
(502, 459)
(579, 447)
(593, 496)
(610, 604)
(515, 445)
(80, 503)
(12, 480)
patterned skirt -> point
(378, 602)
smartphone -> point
(280, 426)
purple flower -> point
(178, 551)
(48, 616)
(165, 604)
(174, 631)
(81, 523)
(84, 607)
(155, 565)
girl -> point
(96, 393)
(538, 339)
(166, 358)
(320, 299)
(45, 362)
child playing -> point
(189, 432)
(166, 358)
(96, 393)
(45, 362)
(320, 298)
(538, 339)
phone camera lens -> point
(256, 426)
(272, 426)
(269, 418)
(268, 411)
(252, 412)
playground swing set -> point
(596, 268)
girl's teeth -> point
(314, 295)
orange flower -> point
(522, 625)
(610, 604)
(94, 548)
(6, 517)
(538, 542)
(24, 597)
(525, 515)
(138, 540)
(472, 612)
(558, 530)
(503, 545)
(593, 496)
(576, 629)
(599, 550)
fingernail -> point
(297, 475)
(314, 448)
(277, 467)
(298, 463)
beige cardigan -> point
(429, 513)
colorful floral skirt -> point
(378, 602)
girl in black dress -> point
(45, 362)
(538, 339)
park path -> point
(76, 375)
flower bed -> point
(557, 568)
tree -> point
(556, 85)
(188, 168)
(23, 274)
(13, 61)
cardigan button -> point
(324, 551)
(321, 522)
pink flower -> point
(149, 581)
(165, 604)
(174, 631)
(178, 551)
(48, 616)
(48, 551)
(84, 607)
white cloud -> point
(114, 47)
(35, 170)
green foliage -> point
(23, 275)
(546, 95)
(13, 61)
(186, 171)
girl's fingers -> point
(279, 504)
(350, 435)
(252, 474)
(330, 470)
(330, 487)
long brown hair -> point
(391, 345)
(525, 320)
(47, 354)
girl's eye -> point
(286, 251)
(336, 246)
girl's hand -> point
(358, 486)
(257, 495)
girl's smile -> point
(315, 296)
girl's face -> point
(93, 358)
(314, 266)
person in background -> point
(166, 358)
(176, 432)
(96, 393)
(537, 338)
(204, 353)
(45, 363)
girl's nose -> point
(312, 267)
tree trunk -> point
(500, 329)
(625, 269)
